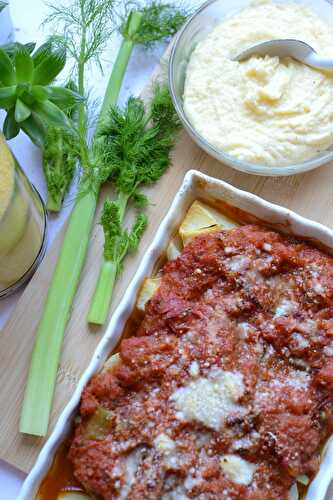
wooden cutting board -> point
(309, 194)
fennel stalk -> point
(45, 358)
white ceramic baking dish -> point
(195, 185)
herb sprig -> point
(160, 22)
(84, 27)
(138, 145)
(60, 157)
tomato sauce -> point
(219, 382)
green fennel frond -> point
(59, 163)
(136, 148)
(94, 18)
(137, 231)
(137, 143)
(83, 28)
(162, 110)
(61, 152)
(110, 219)
(161, 21)
(111, 223)
(139, 199)
(117, 241)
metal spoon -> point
(296, 49)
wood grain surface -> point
(309, 194)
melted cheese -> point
(164, 444)
(237, 469)
(212, 399)
(168, 449)
(300, 341)
(131, 464)
(194, 369)
(285, 308)
(238, 263)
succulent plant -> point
(27, 95)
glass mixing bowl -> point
(199, 25)
(23, 224)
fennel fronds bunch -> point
(138, 145)
(60, 157)
(83, 28)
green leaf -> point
(52, 115)
(7, 97)
(28, 99)
(3, 5)
(7, 71)
(22, 112)
(40, 93)
(49, 65)
(34, 128)
(22, 88)
(24, 65)
(10, 126)
(11, 48)
(64, 97)
(42, 52)
(30, 47)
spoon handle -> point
(320, 62)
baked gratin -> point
(225, 389)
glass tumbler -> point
(23, 224)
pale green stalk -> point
(104, 290)
(100, 304)
(45, 358)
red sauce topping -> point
(226, 389)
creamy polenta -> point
(264, 110)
